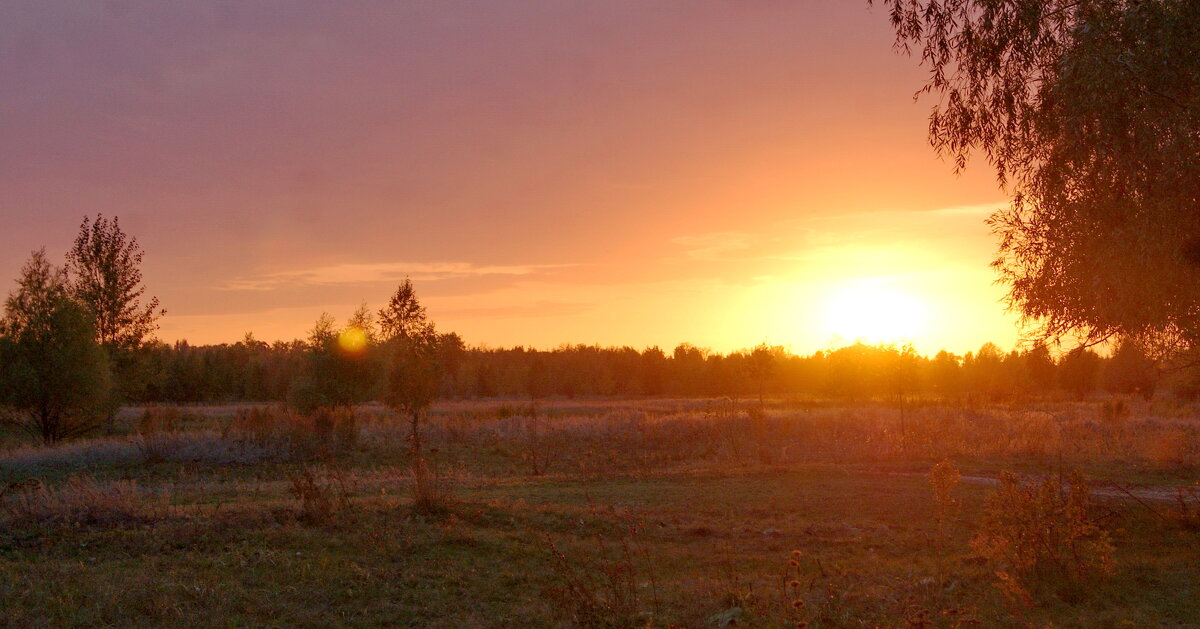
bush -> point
(321, 495)
(1043, 533)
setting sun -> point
(874, 314)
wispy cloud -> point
(714, 246)
(369, 273)
(984, 209)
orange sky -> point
(723, 173)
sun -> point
(871, 313)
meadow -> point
(650, 512)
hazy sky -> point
(618, 172)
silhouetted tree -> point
(946, 374)
(760, 367)
(1040, 367)
(1079, 371)
(1087, 108)
(54, 376)
(1129, 371)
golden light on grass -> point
(352, 340)
(873, 313)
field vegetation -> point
(611, 512)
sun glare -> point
(352, 340)
(873, 314)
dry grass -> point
(649, 512)
(81, 501)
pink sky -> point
(634, 172)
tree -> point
(760, 366)
(1089, 110)
(1078, 372)
(1129, 371)
(338, 370)
(54, 377)
(413, 371)
(106, 278)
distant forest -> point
(252, 370)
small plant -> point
(345, 430)
(321, 496)
(151, 429)
(536, 451)
(944, 478)
(1042, 533)
(1114, 413)
(605, 590)
(432, 493)
(797, 584)
(1187, 507)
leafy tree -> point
(54, 377)
(1079, 371)
(1089, 110)
(413, 368)
(761, 366)
(1130, 371)
(946, 373)
(105, 276)
(1040, 367)
(338, 370)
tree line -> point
(252, 370)
(76, 345)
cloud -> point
(713, 246)
(370, 273)
(537, 309)
(984, 209)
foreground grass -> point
(711, 548)
(588, 513)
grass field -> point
(688, 513)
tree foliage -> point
(54, 377)
(1089, 110)
(339, 367)
(104, 265)
(414, 371)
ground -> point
(596, 513)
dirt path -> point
(1107, 491)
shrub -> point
(321, 494)
(1043, 533)
(431, 492)
(151, 427)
